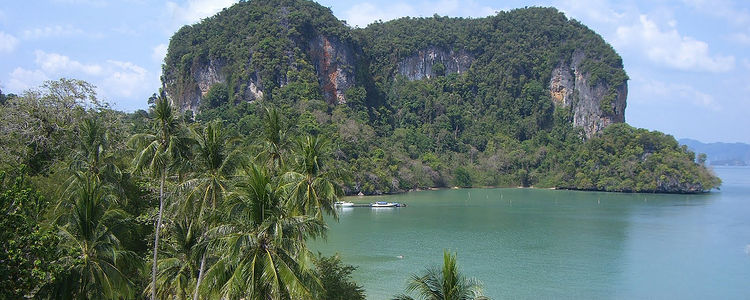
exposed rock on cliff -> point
(333, 60)
(186, 93)
(268, 46)
(422, 64)
(334, 65)
(571, 87)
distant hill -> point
(726, 154)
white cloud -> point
(114, 78)
(195, 10)
(53, 63)
(739, 38)
(655, 90)
(124, 79)
(22, 79)
(670, 48)
(364, 13)
(56, 31)
(725, 10)
(159, 52)
(599, 11)
(8, 42)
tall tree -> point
(446, 283)
(336, 278)
(274, 139)
(158, 152)
(93, 155)
(312, 190)
(215, 163)
(28, 249)
(38, 128)
(92, 254)
(176, 277)
(264, 255)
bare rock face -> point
(333, 61)
(420, 65)
(187, 94)
(571, 88)
(334, 65)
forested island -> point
(522, 98)
(271, 110)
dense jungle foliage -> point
(82, 188)
(493, 125)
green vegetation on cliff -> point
(253, 41)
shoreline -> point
(529, 187)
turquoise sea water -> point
(531, 243)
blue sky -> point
(688, 60)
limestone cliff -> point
(191, 90)
(333, 61)
(295, 49)
(571, 88)
(421, 64)
(256, 48)
(334, 65)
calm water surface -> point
(527, 243)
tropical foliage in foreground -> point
(154, 206)
(446, 283)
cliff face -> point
(332, 59)
(421, 64)
(571, 88)
(260, 50)
(297, 49)
(334, 65)
(187, 94)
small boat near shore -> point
(343, 204)
(387, 204)
(383, 204)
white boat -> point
(383, 204)
(343, 204)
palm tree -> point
(215, 165)
(93, 155)
(312, 191)
(156, 153)
(176, 277)
(91, 251)
(264, 254)
(274, 139)
(444, 284)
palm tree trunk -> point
(156, 236)
(200, 276)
